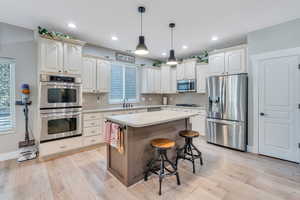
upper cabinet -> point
(229, 61)
(72, 58)
(150, 80)
(95, 75)
(51, 56)
(186, 70)
(103, 75)
(202, 73)
(59, 57)
(168, 79)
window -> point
(123, 83)
(7, 96)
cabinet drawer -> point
(60, 146)
(92, 116)
(92, 131)
(87, 141)
(91, 123)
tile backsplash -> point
(187, 98)
(102, 100)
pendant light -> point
(172, 59)
(141, 48)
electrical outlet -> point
(98, 100)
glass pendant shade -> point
(141, 48)
(172, 59)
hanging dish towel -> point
(107, 132)
(114, 136)
(114, 139)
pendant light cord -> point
(171, 38)
(141, 23)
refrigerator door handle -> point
(224, 121)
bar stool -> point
(187, 151)
(161, 145)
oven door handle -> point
(60, 116)
(73, 85)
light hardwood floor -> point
(226, 174)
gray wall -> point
(18, 43)
(282, 36)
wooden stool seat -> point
(189, 133)
(162, 143)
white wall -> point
(282, 36)
(18, 43)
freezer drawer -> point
(227, 133)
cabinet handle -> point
(59, 70)
(66, 71)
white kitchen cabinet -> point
(168, 79)
(217, 64)
(157, 81)
(72, 58)
(93, 126)
(180, 71)
(89, 74)
(150, 80)
(235, 61)
(202, 74)
(59, 57)
(230, 61)
(103, 75)
(186, 70)
(51, 56)
(198, 124)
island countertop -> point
(149, 118)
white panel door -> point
(166, 78)
(235, 61)
(202, 73)
(51, 53)
(217, 64)
(89, 74)
(278, 110)
(72, 58)
(180, 71)
(103, 75)
(190, 69)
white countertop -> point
(150, 118)
(110, 109)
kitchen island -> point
(139, 130)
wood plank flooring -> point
(226, 174)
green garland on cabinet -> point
(52, 34)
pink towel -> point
(107, 134)
(114, 139)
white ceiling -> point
(196, 20)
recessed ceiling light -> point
(72, 25)
(164, 54)
(114, 38)
(184, 47)
(214, 38)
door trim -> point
(255, 60)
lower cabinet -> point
(93, 128)
(198, 124)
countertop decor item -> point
(172, 59)
(141, 48)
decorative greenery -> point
(53, 34)
(202, 57)
(157, 64)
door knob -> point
(262, 114)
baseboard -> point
(9, 155)
(250, 149)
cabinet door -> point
(198, 124)
(202, 73)
(189, 70)
(217, 64)
(89, 74)
(51, 55)
(157, 81)
(150, 80)
(103, 76)
(72, 58)
(166, 79)
(180, 71)
(235, 61)
(144, 80)
(173, 81)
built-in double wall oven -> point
(60, 106)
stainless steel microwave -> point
(186, 86)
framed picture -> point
(125, 58)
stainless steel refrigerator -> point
(227, 110)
